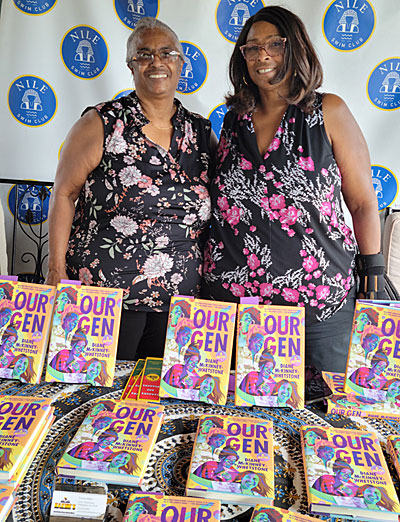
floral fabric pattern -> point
(140, 216)
(278, 230)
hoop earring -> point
(244, 81)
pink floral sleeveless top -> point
(278, 230)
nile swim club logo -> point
(194, 71)
(348, 24)
(216, 117)
(84, 52)
(131, 11)
(32, 101)
(231, 15)
(383, 87)
(34, 7)
(385, 185)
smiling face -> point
(370, 343)
(176, 313)
(284, 392)
(393, 389)
(156, 79)
(361, 321)
(217, 440)
(137, 508)
(70, 322)
(62, 301)
(104, 442)
(344, 474)
(372, 495)
(246, 321)
(93, 370)
(20, 366)
(311, 437)
(207, 425)
(183, 336)
(78, 348)
(207, 387)
(378, 367)
(120, 460)
(267, 369)
(264, 69)
(249, 481)
(97, 409)
(228, 461)
(326, 453)
(8, 342)
(192, 362)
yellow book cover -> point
(25, 317)
(84, 336)
(275, 514)
(198, 350)
(21, 420)
(7, 500)
(393, 447)
(157, 507)
(134, 376)
(270, 356)
(347, 475)
(114, 442)
(373, 364)
(233, 460)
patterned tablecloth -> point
(169, 462)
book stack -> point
(168, 508)
(24, 423)
(114, 442)
(144, 381)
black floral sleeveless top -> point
(277, 227)
(141, 213)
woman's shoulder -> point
(185, 114)
(115, 107)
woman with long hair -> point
(376, 498)
(209, 389)
(96, 372)
(5, 458)
(22, 368)
(286, 394)
(252, 483)
(123, 462)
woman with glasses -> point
(138, 169)
(286, 155)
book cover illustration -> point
(84, 335)
(393, 447)
(150, 383)
(156, 507)
(114, 442)
(131, 390)
(274, 514)
(373, 364)
(25, 316)
(7, 500)
(346, 472)
(233, 459)
(352, 405)
(270, 356)
(21, 420)
(198, 350)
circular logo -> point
(35, 7)
(32, 101)
(194, 71)
(122, 93)
(385, 185)
(31, 202)
(130, 11)
(84, 52)
(231, 15)
(383, 87)
(216, 117)
(348, 25)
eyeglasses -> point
(273, 47)
(146, 58)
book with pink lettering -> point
(84, 335)
(270, 356)
(198, 350)
(25, 318)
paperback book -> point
(270, 356)
(274, 514)
(347, 475)
(373, 364)
(198, 350)
(233, 460)
(131, 389)
(22, 420)
(150, 380)
(114, 442)
(352, 405)
(162, 508)
(25, 317)
(84, 335)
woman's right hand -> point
(54, 276)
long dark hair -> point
(300, 59)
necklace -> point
(160, 128)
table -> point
(170, 459)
